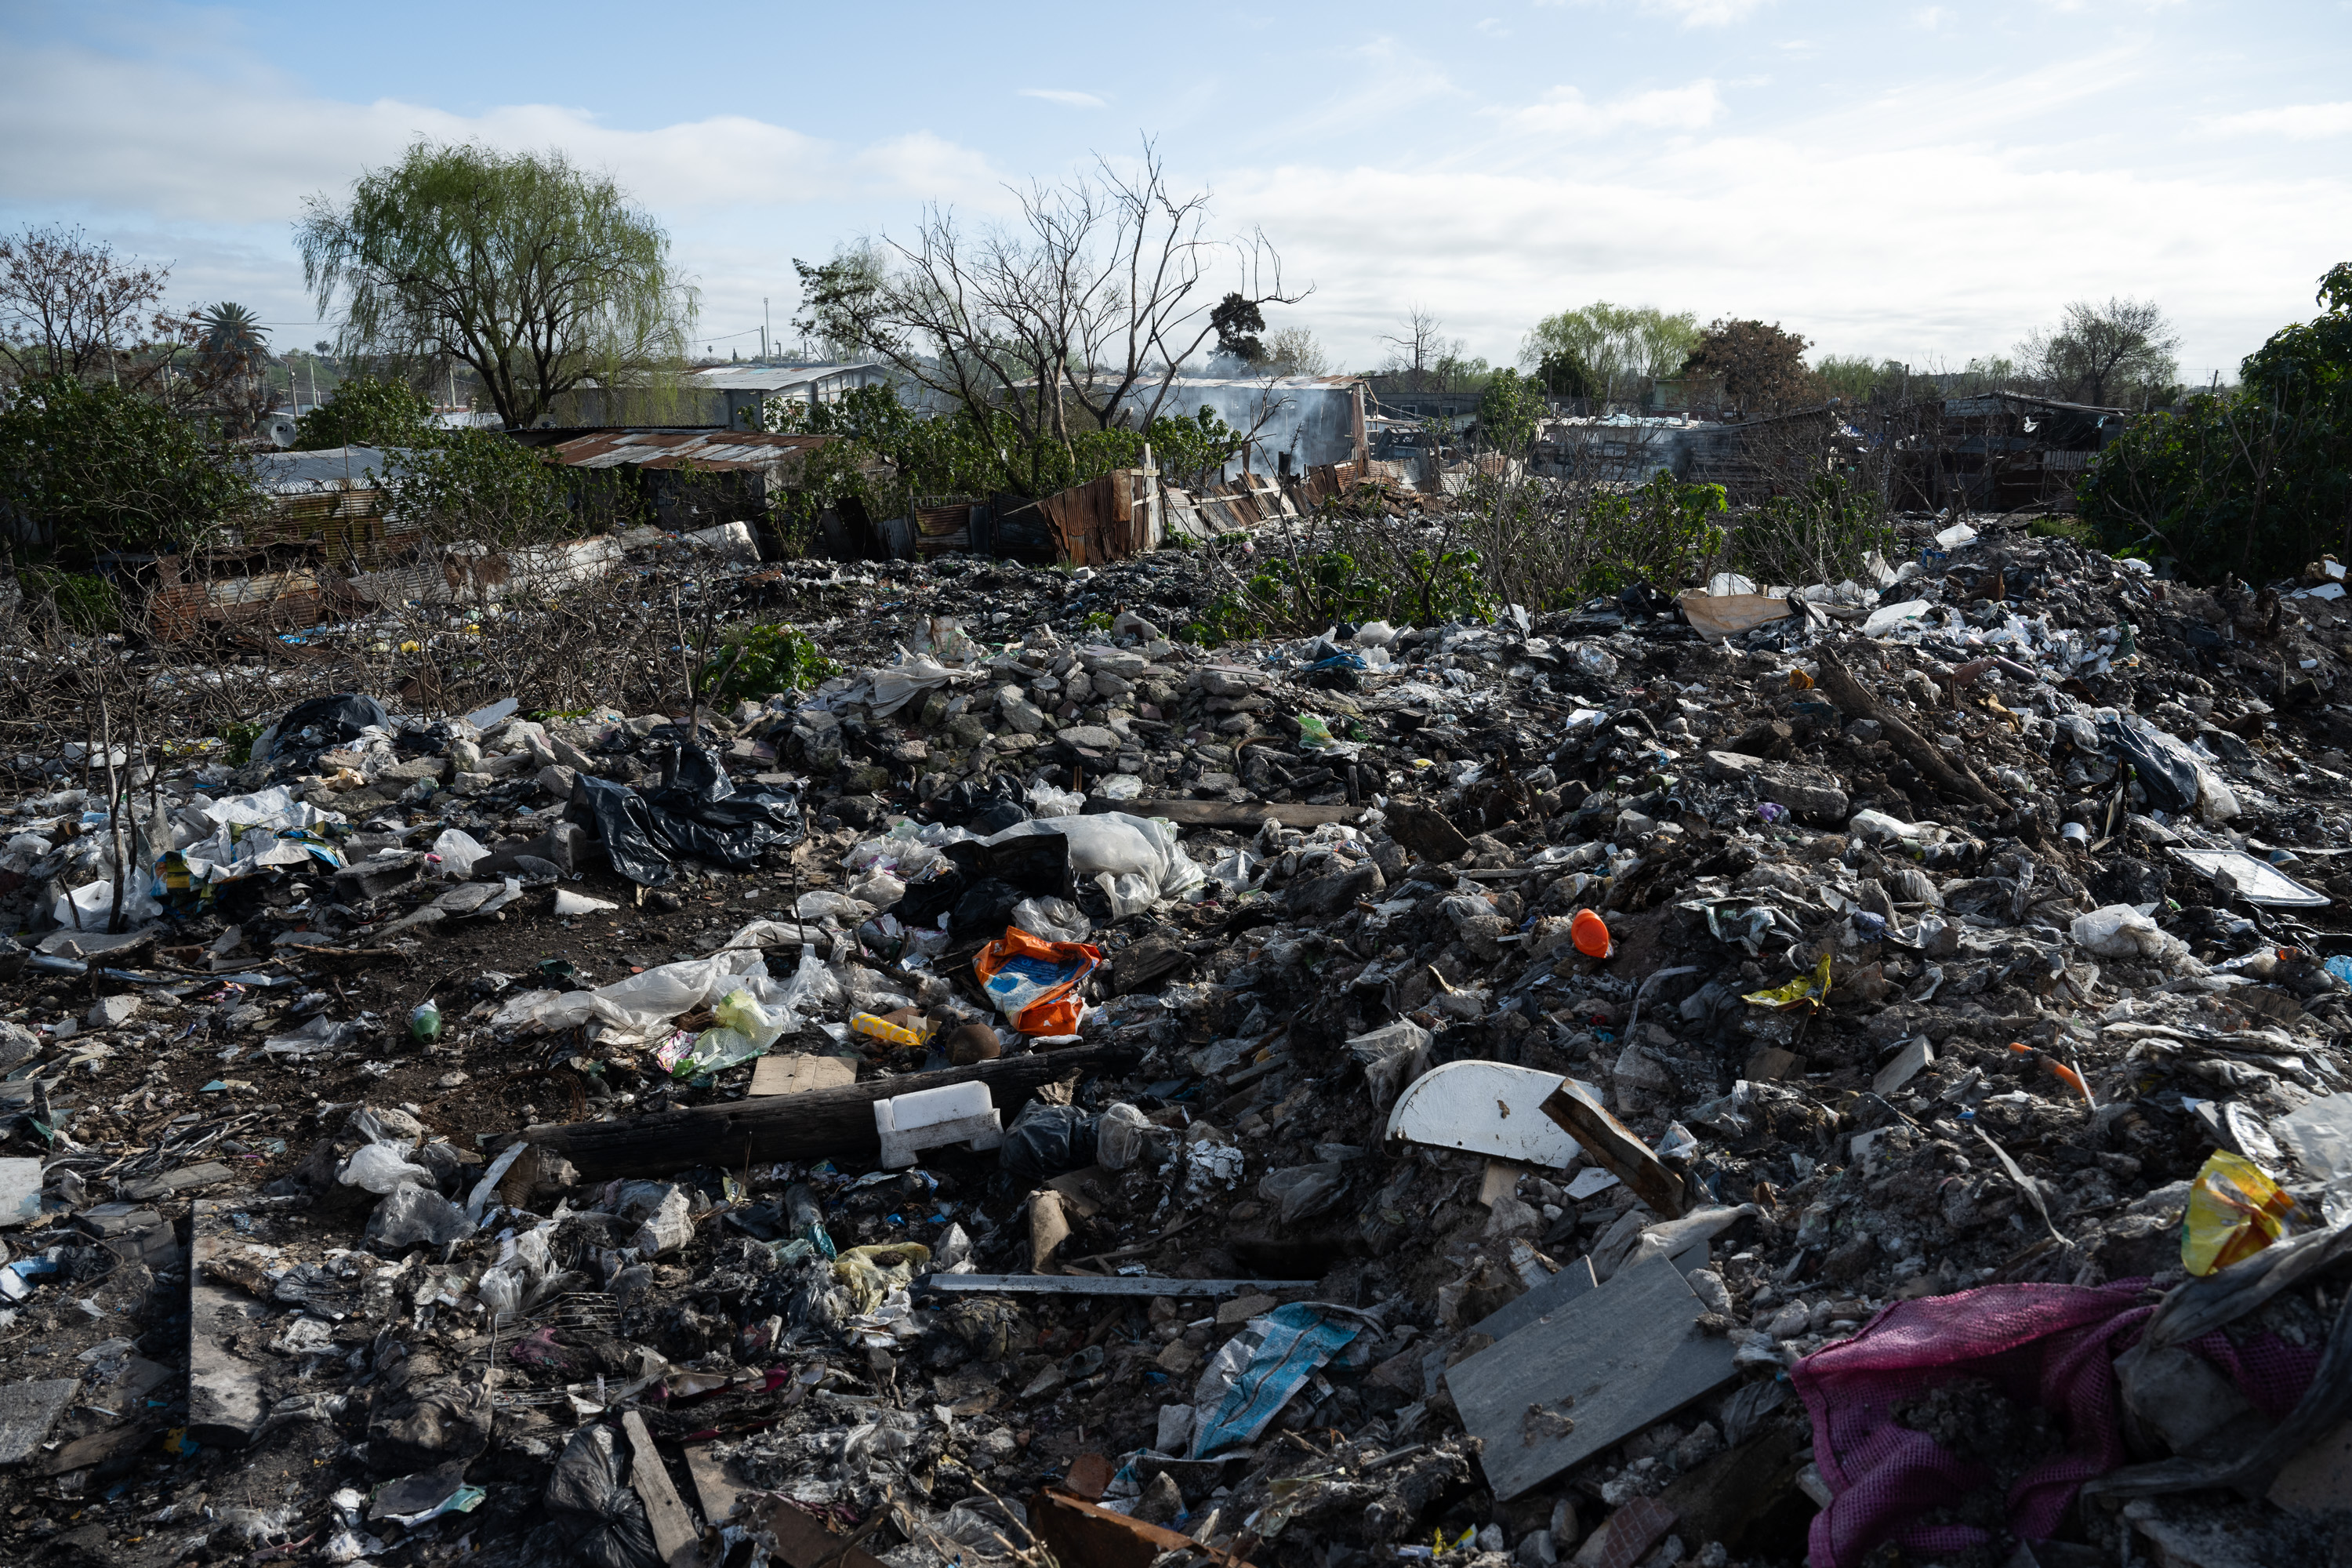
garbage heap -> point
(1848, 1077)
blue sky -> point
(1920, 181)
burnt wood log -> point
(835, 1122)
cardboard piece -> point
(800, 1074)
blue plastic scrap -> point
(1299, 1339)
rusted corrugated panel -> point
(278, 598)
(718, 450)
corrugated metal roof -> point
(771, 377)
(714, 449)
(336, 468)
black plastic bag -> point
(1046, 1141)
(339, 719)
(590, 1498)
(999, 797)
(1028, 865)
(2163, 765)
(697, 814)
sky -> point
(1921, 182)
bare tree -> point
(1078, 317)
(1423, 352)
(1293, 350)
(67, 305)
(2099, 353)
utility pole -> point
(763, 329)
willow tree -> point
(537, 275)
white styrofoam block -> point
(903, 1146)
(907, 1112)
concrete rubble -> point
(1627, 1085)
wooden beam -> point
(824, 1122)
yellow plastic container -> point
(894, 1034)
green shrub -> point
(761, 660)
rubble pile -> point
(1602, 1087)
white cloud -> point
(172, 143)
(1705, 13)
(1931, 16)
(2294, 122)
(1564, 110)
(1068, 97)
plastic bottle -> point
(425, 1022)
(895, 1034)
(804, 1219)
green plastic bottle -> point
(425, 1022)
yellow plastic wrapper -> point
(873, 1272)
(2234, 1211)
(1808, 991)
(894, 1034)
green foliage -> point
(1603, 346)
(889, 454)
(87, 604)
(93, 467)
(1420, 588)
(1507, 411)
(368, 411)
(1665, 534)
(1819, 533)
(1760, 365)
(239, 736)
(2254, 482)
(535, 273)
(2071, 529)
(761, 660)
(477, 487)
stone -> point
(1811, 793)
(114, 1012)
(27, 1411)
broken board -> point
(1098, 1285)
(225, 1404)
(1586, 1377)
(675, 1540)
(1574, 1280)
(1484, 1108)
(1577, 1110)
(800, 1074)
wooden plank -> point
(713, 1486)
(225, 1404)
(801, 1074)
(1226, 814)
(1616, 1148)
(1586, 1377)
(675, 1538)
(837, 1123)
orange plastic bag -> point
(1034, 983)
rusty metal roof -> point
(718, 450)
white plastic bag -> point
(460, 852)
(648, 1000)
(2119, 931)
(380, 1167)
(1046, 801)
(1056, 920)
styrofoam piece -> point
(937, 1119)
(20, 1190)
(905, 1113)
(1483, 1108)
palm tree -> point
(232, 350)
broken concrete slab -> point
(225, 1400)
(27, 1411)
(1589, 1375)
